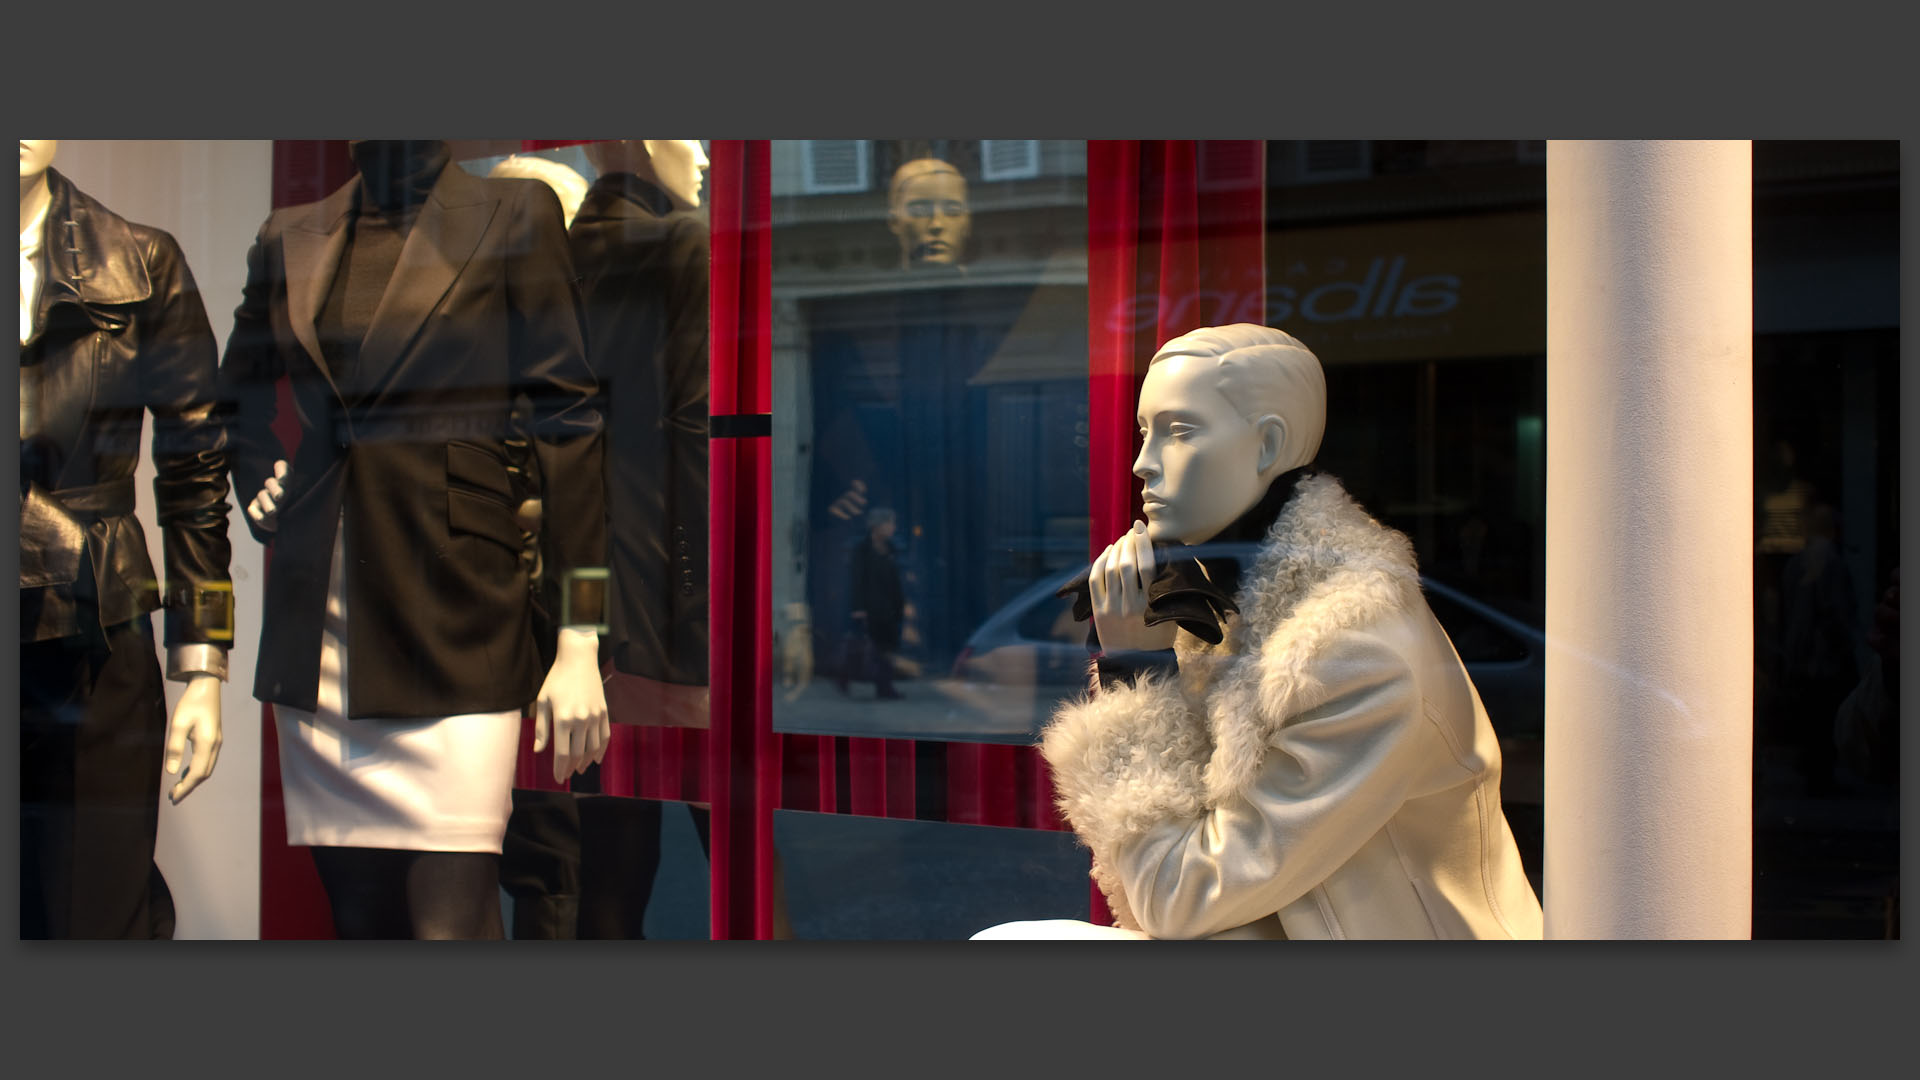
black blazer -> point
(482, 310)
(120, 330)
(644, 278)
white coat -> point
(1326, 771)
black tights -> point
(388, 894)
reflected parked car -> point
(1034, 642)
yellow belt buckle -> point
(220, 593)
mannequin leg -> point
(377, 893)
(454, 895)
(366, 889)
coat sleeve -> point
(250, 374)
(550, 369)
(1330, 777)
(685, 380)
(179, 372)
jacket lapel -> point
(441, 242)
(312, 248)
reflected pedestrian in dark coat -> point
(877, 604)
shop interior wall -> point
(212, 196)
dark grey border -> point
(1121, 70)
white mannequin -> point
(1214, 437)
(927, 213)
(678, 166)
(193, 732)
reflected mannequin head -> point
(679, 166)
(881, 524)
(1223, 411)
(569, 185)
(927, 213)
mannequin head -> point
(927, 213)
(1223, 411)
(880, 526)
(35, 156)
(565, 182)
(679, 166)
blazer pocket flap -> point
(475, 467)
(52, 542)
(478, 515)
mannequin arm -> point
(197, 720)
(571, 712)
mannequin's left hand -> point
(571, 712)
(197, 720)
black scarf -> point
(1198, 592)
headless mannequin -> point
(193, 731)
(392, 893)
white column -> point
(1649, 723)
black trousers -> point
(93, 729)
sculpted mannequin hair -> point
(913, 170)
(1264, 372)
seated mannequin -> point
(1287, 749)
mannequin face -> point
(35, 156)
(930, 219)
(1203, 463)
(680, 166)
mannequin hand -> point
(648, 701)
(195, 719)
(571, 712)
(1119, 586)
(265, 507)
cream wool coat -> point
(1326, 771)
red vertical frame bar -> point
(742, 758)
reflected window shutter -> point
(1009, 159)
(835, 166)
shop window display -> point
(490, 412)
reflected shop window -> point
(691, 539)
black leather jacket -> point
(120, 330)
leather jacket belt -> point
(115, 498)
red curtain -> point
(743, 754)
(1171, 246)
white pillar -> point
(1649, 723)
